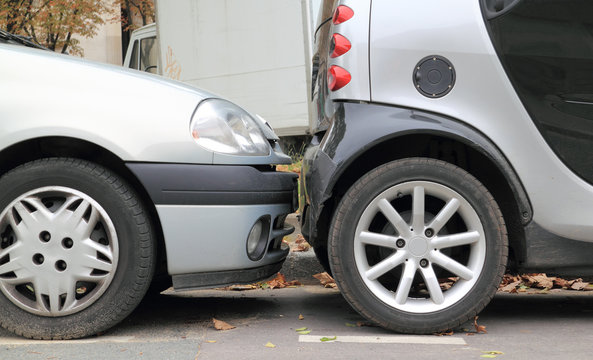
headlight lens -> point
(223, 127)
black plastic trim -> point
(224, 278)
(358, 127)
(555, 255)
(184, 184)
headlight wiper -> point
(20, 40)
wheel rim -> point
(58, 251)
(432, 230)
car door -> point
(546, 48)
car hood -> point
(126, 111)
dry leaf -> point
(211, 341)
(326, 280)
(479, 328)
(444, 333)
(363, 323)
(510, 288)
(241, 287)
(301, 317)
(221, 325)
(579, 285)
(270, 345)
(300, 239)
(279, 282)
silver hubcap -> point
(58, 251)
(415, 237)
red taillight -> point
(342, 13)
(339, 45)
(338, 78)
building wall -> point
(106, 46)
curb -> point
(301, 265)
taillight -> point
(342, 13)
(339, 45)
(337, 78)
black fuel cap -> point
(434, 76)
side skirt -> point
(223, 278)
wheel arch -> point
(62, 146)
(446, 139)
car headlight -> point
(221, 126)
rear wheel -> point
(418, 246)
(76, 249)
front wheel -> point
(76, 249)
(418, 246)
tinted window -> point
(134, 59)
(148, 55)
(546, 47)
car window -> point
(148, 55)
(134, 59)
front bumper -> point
(206, 213)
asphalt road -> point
(534, 326)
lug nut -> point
(424, 263)
(67, 243)
(44, 236)
(429, 232)
(400, 243)
(61, 265)
(38, 259)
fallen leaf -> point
(444, 333)
(270, 345)
(479, 328)
(279, 282)
(328, 339)
(301, 329)
(446, 285)
(301, 317)
(579, 285)
(511, 287)
(301, 247)
(304, 332)
(241, 287)
(211, 341)
(350, 325)
(493, 352)
(364, 323)
(300, 244)
(221, 325)
(324, 278)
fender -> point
(356, 128)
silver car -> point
(453, 142)
(109, 176)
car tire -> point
(418, 246)
(77, 249)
